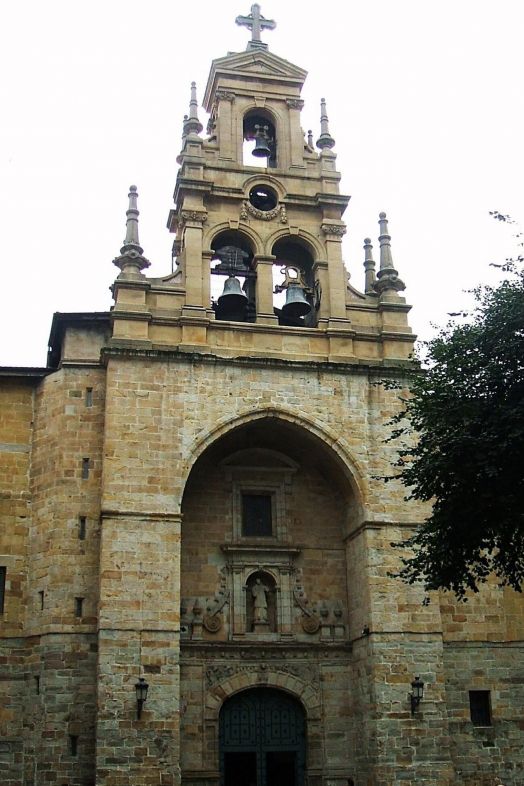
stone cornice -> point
(376, 368)
(109, 513)
(370, 524)
(272, 649)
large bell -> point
(296, 304)
(261, 149)
(233, 297)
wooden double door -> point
(262, 739)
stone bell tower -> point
(196, 571)
(244, 438)
(269, 220)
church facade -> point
(195, 556)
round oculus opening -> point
(263, 198)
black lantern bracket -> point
(141, 688)
(417, 694)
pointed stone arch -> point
(326, 437)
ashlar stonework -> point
(191, 495)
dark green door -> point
(262, 739)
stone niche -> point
(245, 507)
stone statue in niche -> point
(259, 592)
(261, 616)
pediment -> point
(253, 64)
(259, 61)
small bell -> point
(261, 149)
(233, 299)
(296, 304)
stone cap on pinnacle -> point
(131, 260)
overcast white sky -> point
(425, 100)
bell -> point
(232, 298)
(296, 304)
(261, 149)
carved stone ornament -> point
(334, 229)
(212, 622)
(311, 624)
(295, 103)
(304, 671)
(388, 281)
(224, 95)
(199, 216)
(265, 215)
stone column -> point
(194, 219)
(264, 289)
(321, 274)
(296, 139)
(336, 272)
(225, 127)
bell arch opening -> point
(297, 295)
(262, 739)
(233, 290)
(259, 139)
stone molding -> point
(330, 439)
(269, 677)
(264, 215)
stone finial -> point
(131, 260)
(256, 23)
(369, 267)
(325, 139)
(387, 276)
(192, 124)
(310, 138)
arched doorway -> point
(262, 739)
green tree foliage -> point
(467, 408)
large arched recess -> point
(313, 492)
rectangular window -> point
(82, 523)
(85, 468)
(41, 599)
(89, 397)
(79, 605)
(3, 573)
(73, 744)
(480, 707)
(257, 520)
(37, 686)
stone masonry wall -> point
(141, 436)
(62, 598)
(482, 753)
(16, 417)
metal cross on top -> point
(256, 23)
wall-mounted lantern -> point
(417, 693)
(141, 688)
